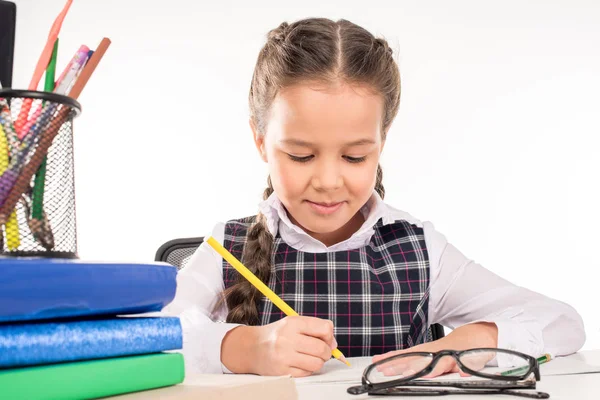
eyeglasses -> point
(399, 375)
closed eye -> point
(300, 159)
(355, 160)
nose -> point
(327, 177)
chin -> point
(322, 225)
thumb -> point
(380, 357)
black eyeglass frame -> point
(368, 386)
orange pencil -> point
(41, 66)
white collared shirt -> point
(461, 292)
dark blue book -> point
(42, 289)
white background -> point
(496, 141)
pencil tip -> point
(343, 359)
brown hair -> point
(314, 49)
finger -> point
(395, 370)
(463, 374)
(316, 327)
(306, 362)
(380, 357)
(405, 366)
(312, 346)
(443, 366)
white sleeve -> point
(197, 304)
(462, 292)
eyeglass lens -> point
(409, 366)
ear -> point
(259, 140)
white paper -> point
(335, 371)
(578, 363)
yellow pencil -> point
(13, 239)
(264, 289)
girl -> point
(365, 278)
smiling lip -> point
(325, 208)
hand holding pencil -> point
(296, 345)
(309, 328)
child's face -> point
(322, 145)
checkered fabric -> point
(377, 296)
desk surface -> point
(563, 380)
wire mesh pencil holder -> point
(37, 181)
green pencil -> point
(543, 359)
(38, 221)
(39, 182)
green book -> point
(92, 379)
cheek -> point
(361, 181)
(289, 180)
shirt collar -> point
(278, 221)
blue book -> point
(41, 289)
(28, 344)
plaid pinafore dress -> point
(377, 296)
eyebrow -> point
(299, 142)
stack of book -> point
(72, 329)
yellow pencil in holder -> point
(264, 289)
(13, 239)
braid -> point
(243, 298)
(379, 182)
